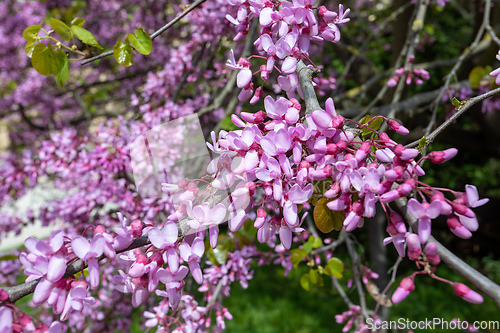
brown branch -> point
(154, 35)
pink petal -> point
(195, 269)
(244, 77)
(80, 246)
(198, 247)
(56, 268)
(42, 291)
(434, 209)
(289, 65)
(236, 220)
(156, 238)
(290, 214)
(185, 251)
(219, 213)
(170, 233)
(173, 260)
(415, 208)
(265, 19)
(286, 237)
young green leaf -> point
(30, 32)
(60, 28)
(421, 144)
(62, 60)
(141, 41)
(44, 60)
(334, 267)
(374, 125)
(365, 119)
(475, 76)
(85, 36)
(78, 21)
(325, 219)
(455, 101)
(123, 53)
(305, 282)
(297, 256)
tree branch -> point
(457, 114)
(21, 290)
(154, 35)
(306, 75)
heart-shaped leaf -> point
(60, 28)
(141, 41)
(325, 219)
(123, 53)
(85, 36)
(44, 60)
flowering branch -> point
(153, 35)
(21, 290)
(484, 284)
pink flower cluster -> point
(286, 31)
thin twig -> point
(457, 114)
(154, 35)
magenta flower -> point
(424, 212)
(77, 296)
(173, 284)
(473, 197)
(191, 255)
(5, 319)
(90, 252)
(166, 239)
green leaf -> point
(44, 60)
(141, 41)
(325, 219)
(475, 76)
(28, 48)
(421, 144)
(8, 257)
(61, 29)
(85, 36)
(365, 119)
(312, 243)
(334, 267)
(297, 256)
(78, 21)
(62, 60)
(30, 32)
(313, 276)
(305, 282)
(377, 123)
(123, 53)
(455, 101)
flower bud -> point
(405, 287)
(438, 157)
(457, 228)
(431, 252)
(414, 248)
(396, 127)
(466, 293)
